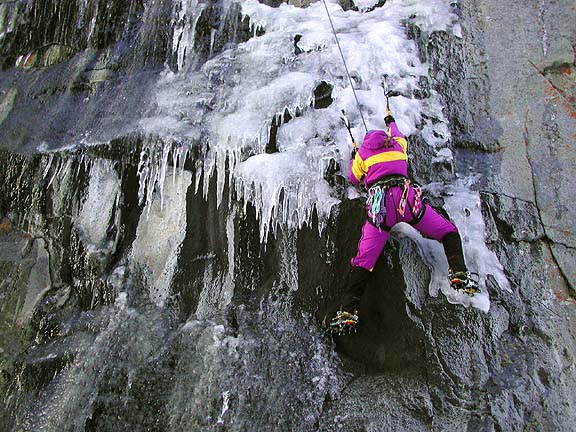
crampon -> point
(340, 323)
(465, 282)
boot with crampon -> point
(345, 319)
(464, 281)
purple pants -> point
(432, 225)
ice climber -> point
(381, 164)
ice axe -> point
(347, 124)
(388, 93)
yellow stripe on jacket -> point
(403, 143)
(360, 166)
(389, 156)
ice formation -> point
(99, 203)
(223, 110)
(463, 207)
(265, 78)
(159, 237)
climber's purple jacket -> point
(374, 161)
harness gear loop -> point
(417, 199)
(376, 201)
(374, 204)
(404, 198)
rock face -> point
(136, 292)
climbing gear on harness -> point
(464, 281)
(376, 201)
(417, 206)
(399, 181)
(341, 322)
(345, 66)
(376, 211)
(417, 199)
(404, 198)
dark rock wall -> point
(236, 345)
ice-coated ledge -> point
(230, 103)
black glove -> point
(389, 119)
(353, 154)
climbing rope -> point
(345, 66)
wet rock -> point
(565, 257)
(44, 57)
(26, 272)
(485, 137)
(323, 95)
(297, 49)
(7, 103)
(299, 3)
(513, 219)
(392, 401)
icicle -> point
(225, 402)
(67, 168)
(48, 165)
(175, 158)
(152, 179)
(80, 162)
(143, 175)
(183, 157)
(212, 40)
(56, 171)
(162, 172)
(198, 176)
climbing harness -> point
(376, 200)
(345, 65)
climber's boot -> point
(341, 322)
(344, 320)
(464, 281)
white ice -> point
(463, 207)
(227, 107)
(247, 86)
(159, 236)
(98, 205)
